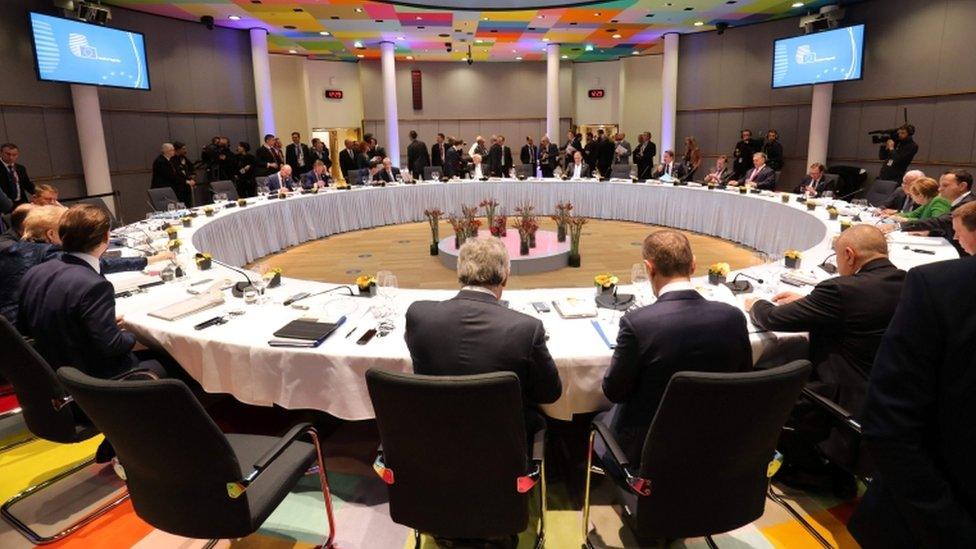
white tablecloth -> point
(235, 357)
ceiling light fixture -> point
(545, 39)
(565, 57)
(292, 51)
(359, 55)
(359, 10)
(597, 14)
(797, 4)
(409, 58)
(699, 23)
(634, 52)
(589, 47)
(518, 58)
(616, 36)
(324, 33)
(357, 44)
(234, 17)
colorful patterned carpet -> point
(361, 506)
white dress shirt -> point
(676, 286)
(91, 260)
(577, 171)
(960, 198)
(477, 171)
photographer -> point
(896, 154)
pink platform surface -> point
(546, 245)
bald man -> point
(899, 201)
(846, 317)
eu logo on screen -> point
(831, 56)
(77, 52)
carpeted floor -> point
(360, 499)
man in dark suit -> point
(475, 334)
(417, 156)
(14, 181)
(919, 418)
(500, 159)
(680, 331)
(669, 167)
(268, 159)
(165, 174)
(298, 155)
(453, 164)
(348, 158)
(955, 186)
(644, 155)
(548, 156)
(280, 181)
(846, 317)
(964, 227)
(529, 155)
(372, 149)
(577, 169)
(604, 160)
(816, 182)
(388, 173)
(898, 200)
(14, 232)
(742, 154)
(897, 154)
(320, 152)
(317, 177)
(68, 307)
(760, 176)
(438, 151)
(574, 142)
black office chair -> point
(50, 415)
(430, 171)
(620, 171)
(705, 462)
(184, 475)
(851, 180)
(161, 198)
(879, 191)
(261, 184)
(224, 187)
(355, 177)
(455, 454)
(525, 170)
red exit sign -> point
(333, 94)
(597, 94)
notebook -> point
(574, 307)
(189, 306)
(305, 332)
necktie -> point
(301, 155)
(14, 180)
(753, 176)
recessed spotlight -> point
(484, 18)
(324, 33)
(359, 55)
(400, 38)
(588, 47)
(478, 41)
(234, 17)
(635, 53)
(419, 18)
(409, 58)
(519, 58)
(292, 51)
(565, 57)
(616, 36)
(699, 23)
(359, 10)
(357, 44)
(545, 39)
(597, 14)
(797, 4)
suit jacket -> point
(529, 155)
(939, 226)
(17, 259)
(899, 201)
(742, 156)
(310, 179)
(919, 419)
(548, 159)
(622, 158)
(723, 176)
(376, 152)
(164, 174)
(274, 182)
(846, 317)
(584, 171)
(473, 333)
(604, 159)
(436, 157)
(348, 160)
(417, 158)
(680, 331)
(765, 179)
(577, 145)
(9, 188)
(291, 158)
(325, 156)
(823, 185)
(484, 170)
(383, 176)
(896, 162)
(677, 170)
(453, 164)
(266, 156)
(644, 158)
(69, 310)
(500, 160)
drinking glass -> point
(171, 207)
(639, 281)
(180, 206)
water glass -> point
(639, 281)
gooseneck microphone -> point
(239, 288)
(829, 267)
(742, 287)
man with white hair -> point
(899, 201)
(478, 147)
(478, 169)
(548, 156)
(164, 174)
(280, 181)
(473, 333)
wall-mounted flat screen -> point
(81, 53)
(830, 56)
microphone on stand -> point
(742, 287)
(829, 267)
(237, 290)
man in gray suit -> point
(473, 333)
(621, 149)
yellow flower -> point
(720, 269)
(792, 254)
(365, 280)
(605, 280)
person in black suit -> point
(317, 177)
(605, 147)
(348, 158)
(846, 317)
(453, 164)
(185, 172)
(475, 334)
(964, 227)
(438, 151)
(815, 183)
(760, 176)
(742, 154)
(14, 181)
(298, 155)
(372, 149)
(919, 416)
(574, 142)
(898, 200)
(68, 307)
(670, 167)
(773, 150)
(321, 152)
(14, 232)
(244, 170)
(529, 155)
(500, 159)
(417, 156)
(680, 331)
(281, 181)
(165, 174)
(644, 156)
(577, 169)
(548, 156)
(387, 173)
(269, 161)
(897, 155)
(956, 187)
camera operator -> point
(897, 153)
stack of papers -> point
(572, 307)
(190, 306)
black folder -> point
(308, 330)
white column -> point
(552, 93)
(669, 91)
(262, 82)
(387, 51)
(91, 141)
(823, 97)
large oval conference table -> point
(235, 357)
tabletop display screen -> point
(82, 53)
(830, 56)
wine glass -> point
(171, 207)
(639, 281)
(258, 281)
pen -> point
(350, 332)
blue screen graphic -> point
(830, 56)
(72, 51)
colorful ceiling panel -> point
(349, 30)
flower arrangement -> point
(525, 213)
(471, 226)
(273, 276)
(575, 232)
(174, 245)
(499, 226)
(187, 221)
(171, 232)
(526, 227)
(717, 272)
(469, 213)
(845, 224)
(490, 206)
(792, 258)
(242, 202)
(832, 212)
(208, 211)
(784, 197)
(605, 282)
(433, 216)
(561, 217)
(811, 205)
(204, 261)
(366, 284)
(460, 230)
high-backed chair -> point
(355, 177)
(161, 198)
(224, 187)
(879, 191)
(261, 182)
(455, 453)
(620, 171)
(184, 475)
(850, 181)
(705, 462)
(430, 170)
(49, 414)
(524, 170)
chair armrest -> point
(539, 445)
(287, 440)
(606, 435)
(832, 408)
(137, 372)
